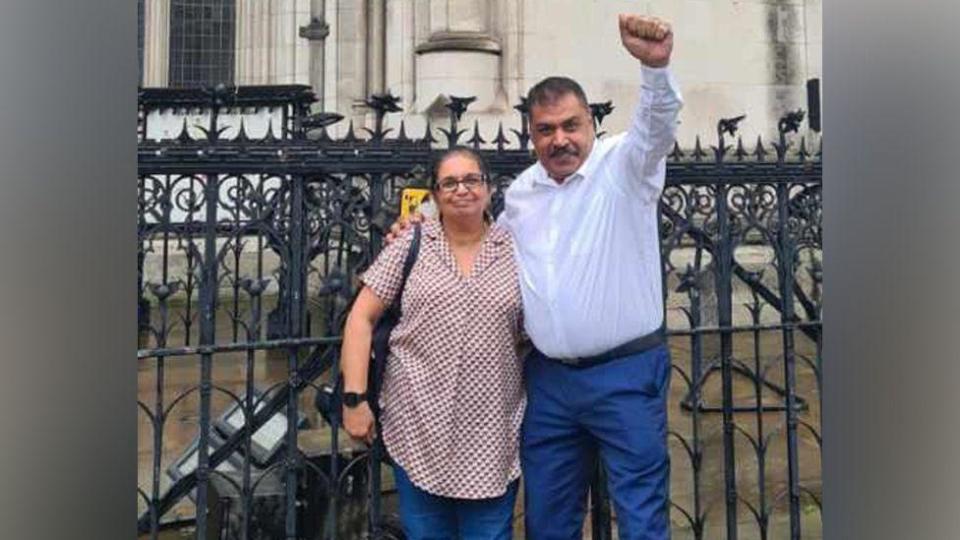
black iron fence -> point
(248, 247)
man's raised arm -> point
(653, 128)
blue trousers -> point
(430, 517)
(615, 410)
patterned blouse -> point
(452, 398)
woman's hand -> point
(359, 422)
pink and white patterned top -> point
(452, 399)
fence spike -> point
(524, 134)
(242, 133)
(269, 137)
(350, 136)
(402, 134)
(184, 135)
(523, 138)
(760, 152)
(501, 140)
(802, 152)
(453, 135)
(677, 154)
(523, 107)
(476, 140)
(428, 134)
(740, 151)
(698, 153)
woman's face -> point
(461, 191)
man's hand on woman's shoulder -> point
(400, 226)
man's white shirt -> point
(588, 249)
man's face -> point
(563, 134)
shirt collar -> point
(433, 229)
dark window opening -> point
(201, 42)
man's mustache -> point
(563, 150)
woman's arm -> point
(355, 361)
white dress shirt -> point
(588, 250)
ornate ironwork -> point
(249, 246)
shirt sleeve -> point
(385, 275)
(639, 159)
(503, 221)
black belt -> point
(634, 346)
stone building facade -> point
(732, 57)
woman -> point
(452, 399)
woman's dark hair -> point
(440, 158)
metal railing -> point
(247, 252)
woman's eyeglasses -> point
(469, 181)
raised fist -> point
(647, 39)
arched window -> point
(201, 42)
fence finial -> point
(524, 134)
(726, 126)
(457, 106)
(599, 111)
(381, 105)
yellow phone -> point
(415, 200)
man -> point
(584, 222)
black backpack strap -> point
(408, 265)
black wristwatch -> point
(352, 399)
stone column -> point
(255, 42)
(461, 54)
(350, 64)
(247, 58)
(316, 33)
(399, 50)
(243, 58)
(156, 42)
(376, 48)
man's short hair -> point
(551, 89)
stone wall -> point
(732, 57)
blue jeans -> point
(617, 410)
(430, 517)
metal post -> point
(785, 269)
(296, 274)
(724, 262)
